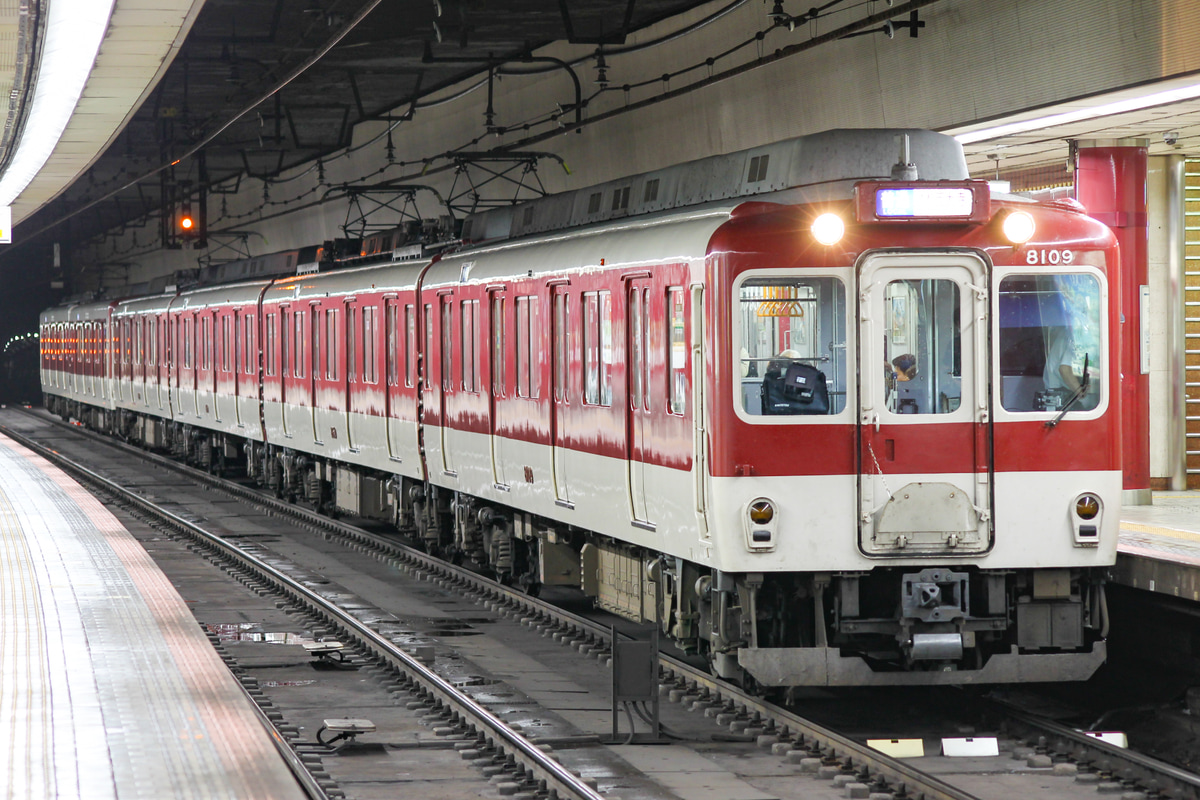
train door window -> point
(792, 345)
(597, 348)
(331, 331)
(351, 346)
(370, 371)
(639, 337)
(561, 323)
(139, 334)
(269, 349)
(189, 342)
(285, 343)
(298, 344)
(467, 350)
(498, 347)
(226, 343)
(410, 345)
(426, 383)
(318, 327)
(677, 357)
(152, 340)
(248, 360)
(391, 342)
(922, 346)
(1049, 334)
(527, 347)
(447, 330)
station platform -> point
(1159, 547)
(108, 686)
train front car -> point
(914, 431)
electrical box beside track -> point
(361, 496)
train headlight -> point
(1019, 227)
(760, 522)
(1086, 515)
(828, 229)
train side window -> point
(527, 347)
(792, 345)
(370, 327)
(677, 358)
(498, 347)
(597, 348)
(469, 366)
(1049, 332)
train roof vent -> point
(826, 164)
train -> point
(828, 411)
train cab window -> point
(792, 346)
(469, 365)
(922, 346)
(527, 347)
(1049, 340)
(597, 348)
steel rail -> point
(556, 778)
(580, 631)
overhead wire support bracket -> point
(468, 165)
(368, 201)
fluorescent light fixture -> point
(76, 28)
(1078, 115)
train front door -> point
(924, 419)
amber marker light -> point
(761, 512)
(1019, 227)
(828, 229)
(1087, 506)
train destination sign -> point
(924, 202)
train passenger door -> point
(924, 419)
(285, 366)
(318, 325)
(560, 354)
(637, 374)
(499, 381)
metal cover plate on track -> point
(962, 748)
(898, 748)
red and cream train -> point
(827, 418)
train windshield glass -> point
(793, 346)
(1049, 332)
(922, 346)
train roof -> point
(822, 166)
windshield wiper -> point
(1083, 387)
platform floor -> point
(108, 687)
(1159, 548)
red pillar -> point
(1110, 181)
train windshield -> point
(793, 346)
(1049, 333)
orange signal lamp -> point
(187, 223)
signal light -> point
(187, 223)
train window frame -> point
(351, 344)
(678, 353)
(597, 359)
(270, 332)
(446, 321)
(468, 348)
(842, 278)
(1002, 412)
(499, 347)
(391, 322)
(528, 352)
(250, 361)
(427, 323)
(370, 327)
(331, 344)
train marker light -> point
(1087, 506)
(760, 525)
(828, 229)
(761, 512)
(1019, 227)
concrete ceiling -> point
(175, 76)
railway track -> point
(818, 750)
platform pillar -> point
(1110, 181)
